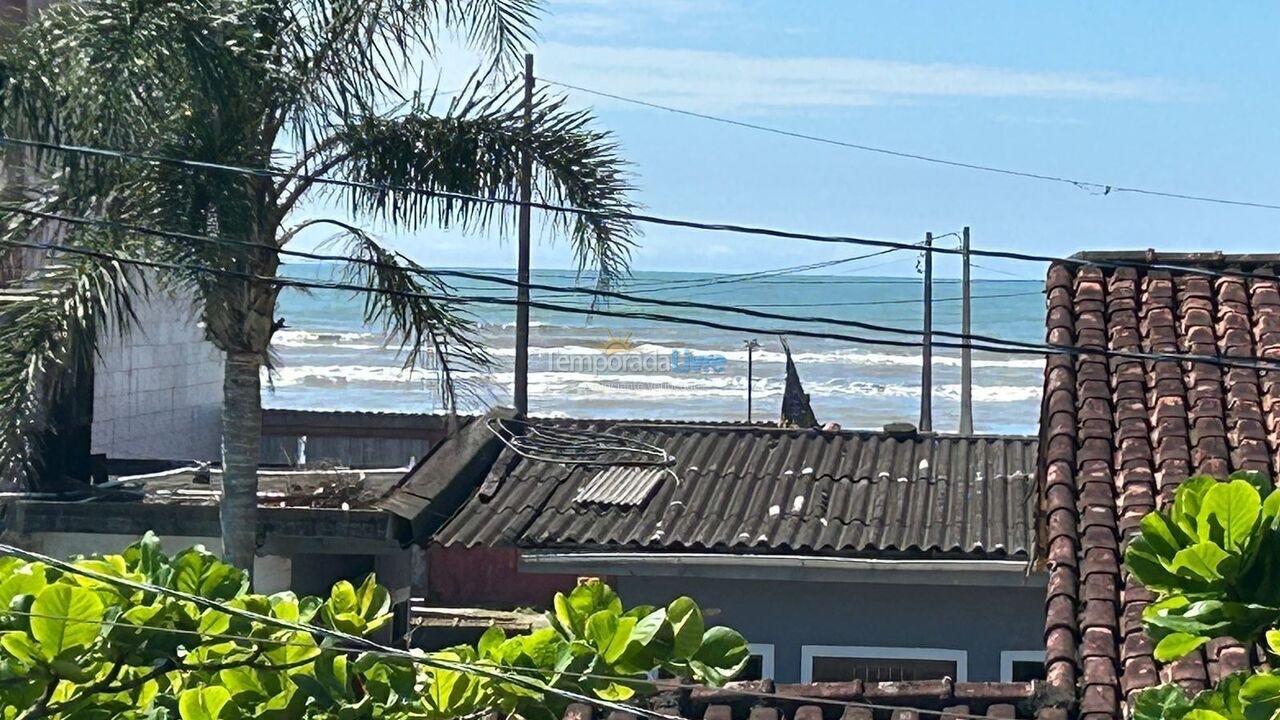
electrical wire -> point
(486, 277)
(1251, 363)
(354, 641)
(547, 443)
(636, 217)
(1096, 188)
(911, 301)
(754, 276)
(671, 683)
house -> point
(840, 555)
(315, 526)
(1119, 434)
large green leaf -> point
(601, 627)
(621, 640)
(687, 625)
(342, 598)
(26, 580)
(1165, 538)
(1228, 513)
(1187, 501)
(722, 655)
(65, 617)
(1202, 560)
(1200, 714)
(1260, 696)
(1175, 645)
(204, 703)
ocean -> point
(593, 366)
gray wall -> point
(157, 392)
(981, 620)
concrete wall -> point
(980, 620)
(158, 391)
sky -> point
(1170, 96)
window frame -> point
(809, 652)
(1009, 657)
(765, 651)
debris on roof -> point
(201, 485)
(796, 410)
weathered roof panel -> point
(763, 489)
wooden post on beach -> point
(966, 352)
(926, 351)
(751, 349)
(521, 391)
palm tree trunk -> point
(241, 438)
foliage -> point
(311, 89)
(77, 647)
(1213, 558)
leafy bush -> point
(1213, 558)
(77, 647)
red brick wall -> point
(487, 577)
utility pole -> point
(751, 348)
(966, 350)
(926, 365)
(521, 399)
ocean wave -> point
(851, 357)
(650, 386)
(326, 339)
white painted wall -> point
(157, 392)
(271, 573)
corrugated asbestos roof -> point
(758, 489)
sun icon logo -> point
(618, 344)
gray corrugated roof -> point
(756, 489)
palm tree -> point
(311, 87)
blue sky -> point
(1169, 96)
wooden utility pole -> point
(521, 398)
(966, 351)
(751, 348)
(926, 352)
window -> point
(1021, 665)
(760, 665)
(834, 663)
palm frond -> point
(48, 330)
(116, 73)
(502, 28)
(434, 334)
(475, 149)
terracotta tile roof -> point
(758, 489)
(903, 700)
(1118, 435)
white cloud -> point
(599, 18)
(722, 81)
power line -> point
(284, 281)
(1252, 363)
(690, 283)
(671, 683)
(1095, 188)
(637, 217)
(911, 301)
(484, 277)
(355, 641)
